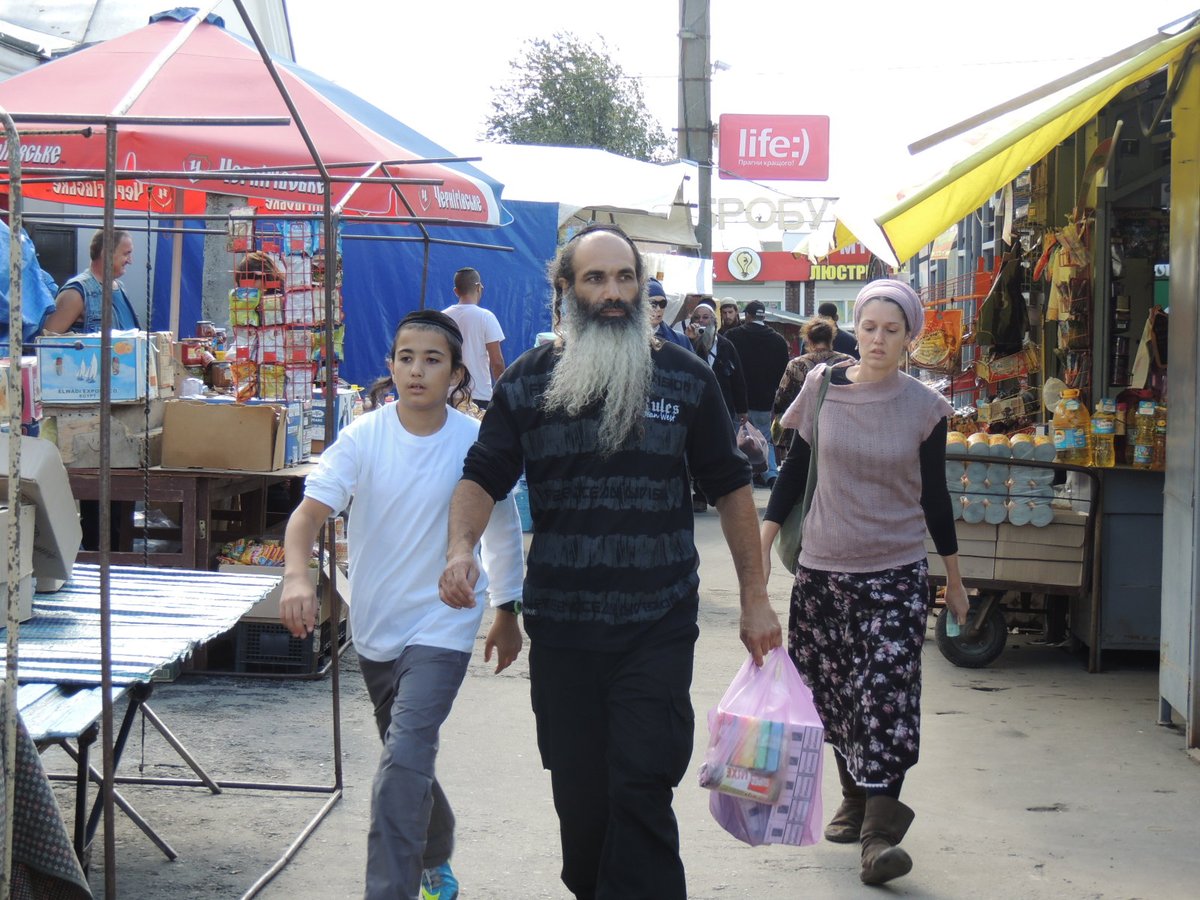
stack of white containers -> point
(1031, 491)
(987, 488)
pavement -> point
(1036, 780)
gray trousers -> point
(412, 826)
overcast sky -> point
(885, 74)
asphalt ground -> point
(1036, 780)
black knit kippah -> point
(434, 318)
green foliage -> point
(568, 93)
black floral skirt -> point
(856, 639)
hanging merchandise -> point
(1004, 315)
(940, 340)
(277, 307)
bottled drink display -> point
(1072, 430)
(1158, 456)
(1103, 432)
(1143, 435)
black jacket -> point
(764, 354)
(731, 377)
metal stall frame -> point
(331, 217)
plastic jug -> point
(1072, 430)
(1143, 435)
(1103, 432)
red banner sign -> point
(774, 148)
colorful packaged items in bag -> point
(754, 752)
(776, 799)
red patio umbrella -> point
(213, 73)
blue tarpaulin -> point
(382, 282)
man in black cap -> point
(764, 354)
(657, 298)
(843, 341)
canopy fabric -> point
(214, 73)
(646, 199)
(899, 233)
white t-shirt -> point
(401, 484)
(479, 327)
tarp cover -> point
(382, 282)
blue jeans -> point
(761, 419)
(412, 827)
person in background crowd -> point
(78, 304)
(482, 335)
(657, 299)
(817, 336)
(729, 315)
(764, 355)
(722, 358)
(860, 600)
(843, 342)
(601, 421)
(400, 463)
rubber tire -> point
(976, 654)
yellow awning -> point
(926, 213)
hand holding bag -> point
(764, 757)
(752, 443)
(791, 533)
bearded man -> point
(601, 422)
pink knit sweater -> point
(866, 512)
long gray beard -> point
(605, 360)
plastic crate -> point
(268, 647)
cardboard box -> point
(267, 609)
(75, 430)
(25, 562)
(198, 434)
(344, 416)
(31, 389)
(69, 367)
(164, 355)
(1052, 555)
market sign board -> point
(774, 148)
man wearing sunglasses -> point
(658, 306)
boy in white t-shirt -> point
(401, 463)
(481, 333)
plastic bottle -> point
(1143, 435)
(953, 629)
(1103, 430)
(1072, 430)
(1158, 457)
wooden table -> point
(215, 506)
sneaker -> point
(439, 883)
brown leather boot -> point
(846, 824)
(884, 826)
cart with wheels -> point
(1002, 559)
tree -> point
(569, 93)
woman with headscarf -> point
(817, 336)
(859, 604)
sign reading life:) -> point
(776, 148)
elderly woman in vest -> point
(860, 600)
(78, 303)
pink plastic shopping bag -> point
(763, 763)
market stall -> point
(1094, 199)
(303, 158)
